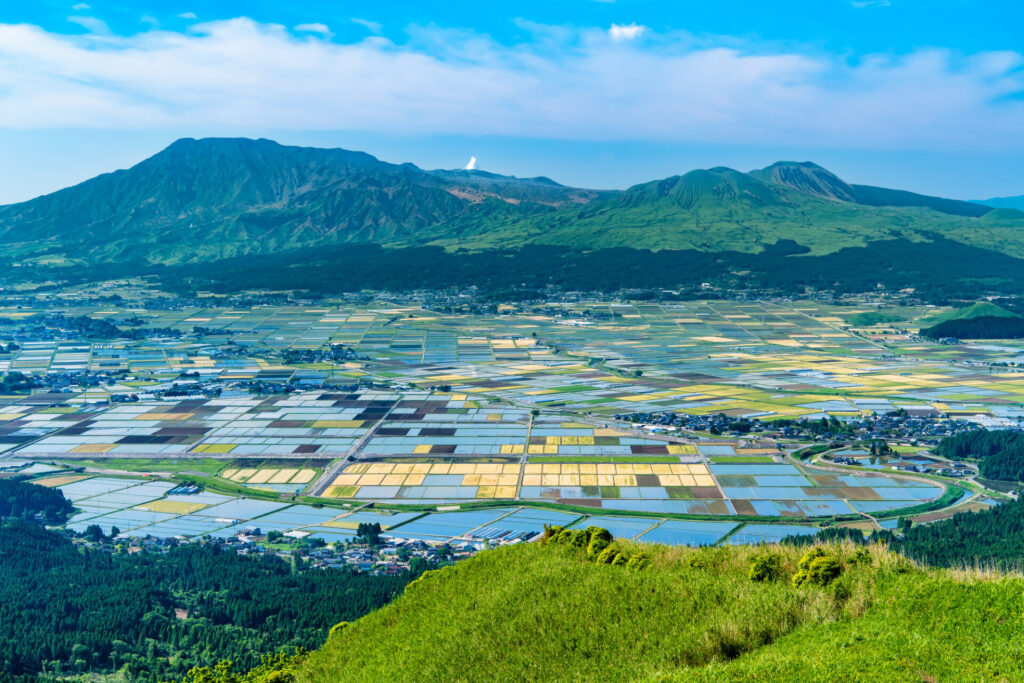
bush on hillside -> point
(817, 568)
(579, 539)
(764, 568)
(600, 539)
(551, 533)
(638, 562)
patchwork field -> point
(138, 508)
(515, 405)
(766, 490)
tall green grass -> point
(544, 612)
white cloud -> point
(322, 29)
(187, 15)
(870, 3)
(471, 166)
(371, 26)
(91, 24)
(626, 31)
(243, 76)
(80, 7)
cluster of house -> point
(391, 556)
(956, 470)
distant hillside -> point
(206, 200)
(814, 180)
(1003, 202)
(984, 327)
(979, 309)
(721, 209)
(541, 612)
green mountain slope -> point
(979, 309)
(205, 200)
(543, 612)
(721, 209)
(213, 198)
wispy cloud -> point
(870, 3)
(187, 15)
(80, 7)
(626, 31)
(243, 75)
(322, 29)
(371, 26)
(91, 24)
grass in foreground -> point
(544, 612)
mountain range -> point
(209, 199)
(1003, 202)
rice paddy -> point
(139, 508)
(525, 410)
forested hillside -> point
(990, 538)
(20, 498)
(66, 609)
(985, 327)
(1000, 453)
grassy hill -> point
(979, 309)
(544, 612)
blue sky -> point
(918, 94)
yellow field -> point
(497, 480)
(275, 475)
(283, 476)
(262, 476)
(51, 482)
(175, 507)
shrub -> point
(765, 568)
(566, 536)
(599, 540)
(619, 560)
(597, 546)
(579, 539)
(862, 556)
(607, 555)
(337, 629)
(638, 562)
(551, 533)
(817, 568)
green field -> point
(177, 465)
(741, 459)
